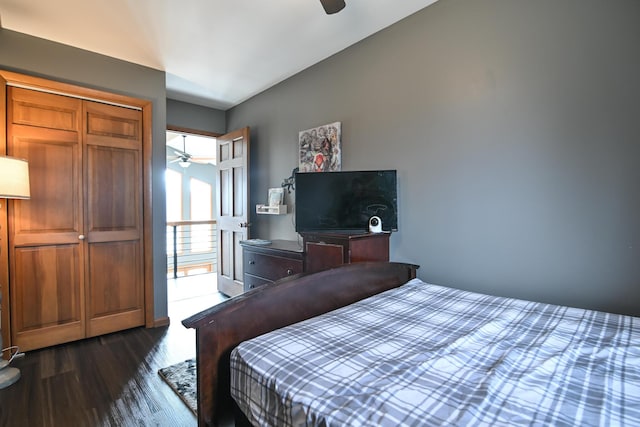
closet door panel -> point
(47, 307)
(46, 256)
(53, 213)
(113, 196)
(44, 110)
(113, 159)
(114, 302)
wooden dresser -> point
(267, 263)
(328, 250)
(319, 251)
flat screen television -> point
(345, 201)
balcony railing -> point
(191, 248)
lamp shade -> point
(14, 178)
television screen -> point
(345, 201)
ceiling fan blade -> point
(182, 154)
(333, 6)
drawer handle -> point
(251, 262)
(289, 272)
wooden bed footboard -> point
(221, 328)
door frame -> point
(9, 78)
(245, 134)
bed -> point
(409, 353)
(221, 328)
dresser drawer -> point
(269, 266)
(252, 282)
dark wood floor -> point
(107, 381)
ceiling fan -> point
(333, 6)
(185, 159)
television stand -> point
(324, 250)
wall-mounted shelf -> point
(271, 210)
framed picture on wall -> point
(320, 149)
(276, 196)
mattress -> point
(425, 355)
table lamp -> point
(14, 184)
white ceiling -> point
(215, 53)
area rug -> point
(181, 377)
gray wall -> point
(42, 58)
(514, 128)
(195, 117)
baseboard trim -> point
(161, 322)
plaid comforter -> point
(429, 355)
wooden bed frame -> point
(221, 328)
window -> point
(201, 207)
(173, 182)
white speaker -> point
(375, 224)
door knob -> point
(81, 237)
(244, 224)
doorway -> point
(191, 227)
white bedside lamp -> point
(14, 184)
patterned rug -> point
(181, 377)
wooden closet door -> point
(46, 285)
(113, 181)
